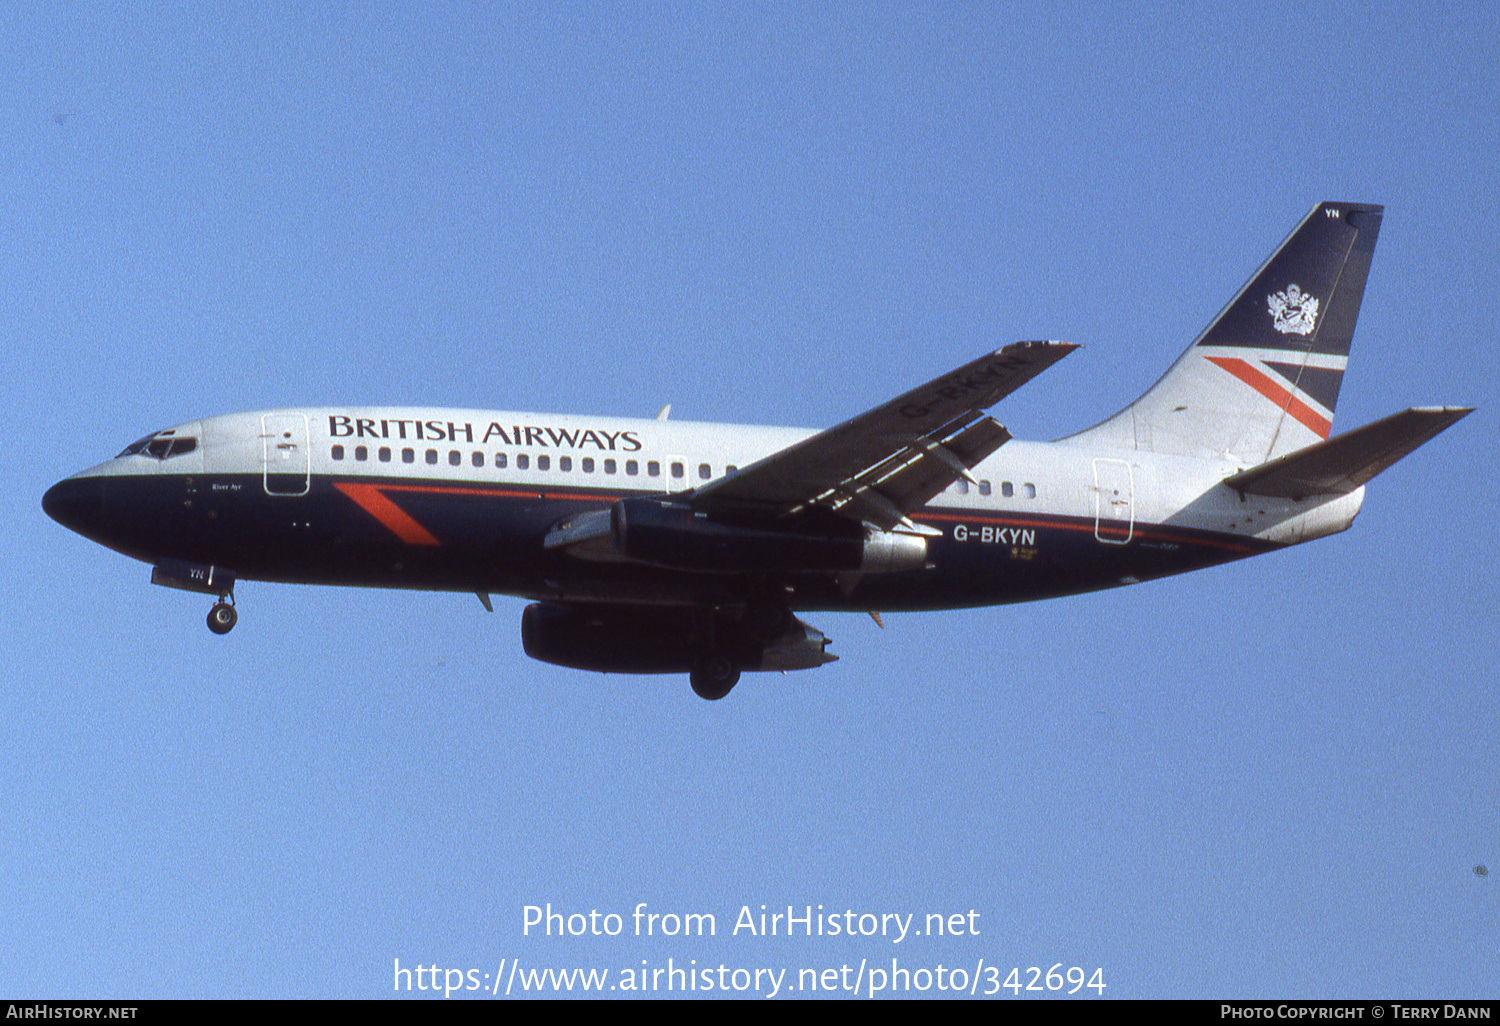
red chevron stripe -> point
(370, 499)
(1304, 414)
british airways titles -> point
(344, 426)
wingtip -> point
(1052, 344)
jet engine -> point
(651, 639)
(664, 533)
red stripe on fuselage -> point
(372, 499)
(1146, 531)
(1303, 413)
(499, 493)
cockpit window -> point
(137, 447)
(162, 445)
(166, 448)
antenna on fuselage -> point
(666, 411)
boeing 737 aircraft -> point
(654, 546)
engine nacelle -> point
(669, 534)
(615, 639)
(609, 639)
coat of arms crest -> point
(1295, 311)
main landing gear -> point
(714, 677)
(736, 643)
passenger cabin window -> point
(408, 456)
(588, 464)
(523, 461)
(338, 452)
(565, 463)
(544, 463)
(704, 471)
(499, 461)
(385, 454)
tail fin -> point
(1263, 379)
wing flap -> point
(896, 456)
(1344, 463)
(912, 477)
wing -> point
(883, 464)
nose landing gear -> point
(222, 618)
(206, 580)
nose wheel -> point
(222, 618)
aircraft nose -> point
(77, 503)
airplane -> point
(661, 546)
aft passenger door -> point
(287, 462)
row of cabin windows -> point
(586, 464)
(1007, 489)
(589, 465)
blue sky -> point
(1268, 779)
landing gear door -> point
(287, 460)
(1114, 502)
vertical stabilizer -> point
(1263, 379)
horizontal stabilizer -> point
(1344, 463)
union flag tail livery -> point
(657, 546)
(1263, 379)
